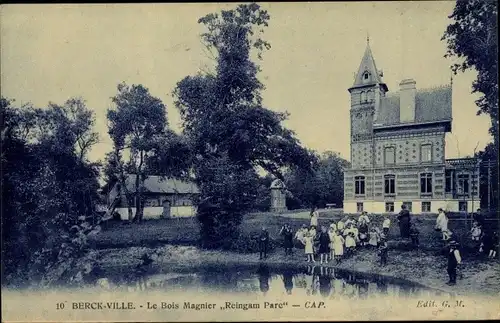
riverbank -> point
(480, 276)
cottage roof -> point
(431, 105)
(156, 184)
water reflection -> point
(311, 280)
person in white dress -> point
(309, 241)
(331, 234)
(314, 217)
(350, 243)
(338, 246)
(442, 224)
(386, 225)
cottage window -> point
(463, 183)
(390, 184)
(426, 153)
(426, 183)
(389, 207)
(448, 183)
(359, 185)
(389, 155)
(359, 207)
(426, 207)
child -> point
(263, 243)
(350, 243)
(308, 241)
(382, 251)
(454, 260)
(385, 225)
(414, 235)
(324, 245)
(314, 216)
(363, 233)
(299, 235)
(493, 246)
(364, 217)
(333, 226)
(341, 226)
(475, 231)
(338, 246)
(374, 237)
(331, 235)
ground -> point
(121, 245)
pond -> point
(263, 280)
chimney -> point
(407, 91)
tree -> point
(47, 185)
(324, 185)
(135, 126)
(223, 114)
(473, 38)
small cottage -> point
(163, 197)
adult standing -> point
(314, 217)
(404, 222)
(263, 243)
(287, 234)
(442, 224)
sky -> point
(54, 52)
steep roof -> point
(431, 105)
(155, 184)
(367, 65)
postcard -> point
(291, 161)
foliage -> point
(138, 127)
(324, 185)
(47, 183)
(473, 37)
(225, 120)
(489, 182)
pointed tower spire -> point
(367, 72)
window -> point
(359, 206)
(462, 206)
(426, 207)
(389, 206)
(448, 183)
(370, 96)
(366, 76)
(408, 206)
(463, 183)
(426, 183)
(363, 96)
(390, 155)
(390, 184)
(426, 153)
(359, 185)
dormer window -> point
(365, 76)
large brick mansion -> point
(398, 149)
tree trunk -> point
(138, 194)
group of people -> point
(338, 240)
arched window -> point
(370, 96)
(363, 96)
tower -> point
(366, 92)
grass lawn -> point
(185, 231)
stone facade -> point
(398, 149)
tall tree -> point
(47, 184)
(136, 126)
(473, 38)
(223, 114)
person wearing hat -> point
(287, 234)
(454, 259)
